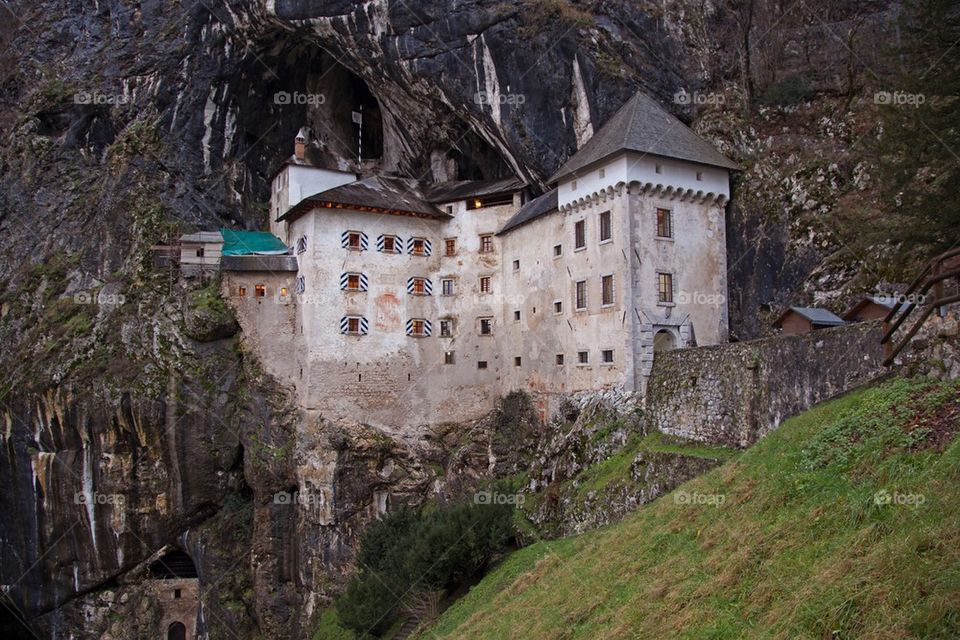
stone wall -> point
(735, 394)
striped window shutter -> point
(345, 240)
(345, 325)
(427, 326)
(301, 244)
(345, 280)
(397, 244)
(427, 246)
(301, 285)
(427, 285)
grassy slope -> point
(799, 549)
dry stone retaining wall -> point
(734, 394)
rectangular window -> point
(607, 356)
(581, 295)
(353, 325)
(573, 186)
(658, 168)
(353, 241)
(241, 291)
(603, 173)
(559, 359)
(486, 326)
(450, 247)
(448, 357)
(200, 252)
(605, 230)
(664, 223)
(580, 234)
(558, 306)
(450, 209)
(418, 248)
(583, 357)
(606, 290)
(446, 328)
(389, 244)
(481, 364)
(516, 315)
(665, 287)
(353, 282)
(557, 250)
(485, 286)
(283, 292)
(699, 175)
(446, 286)
(517, 361)
(260, 290)
(516, 265)
(418, 328)
(419, 287)
(486, 244)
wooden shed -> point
(869, 308)
(200, 253)
(796, 320)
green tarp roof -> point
(245, 243)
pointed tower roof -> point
(642, 125)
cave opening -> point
(173, 564)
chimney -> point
(300, 142)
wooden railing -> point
(926, 292)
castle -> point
(409, 302)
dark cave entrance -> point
(175, 564)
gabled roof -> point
(316, 156)
(462, 189)
(537, 207)
(202, 237)
(883, 301)
(379, 193)
(815, 315)
(642, 125)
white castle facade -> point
(415, 303)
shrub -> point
(787, 91)
(437, 548)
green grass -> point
(800, 547)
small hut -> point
(200, 253)
(796, 320)
(869, 308)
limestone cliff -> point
(124, 123)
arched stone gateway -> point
(664, 340)
(177, 631)
(175, 590)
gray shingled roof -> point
(463, 189)
(815, 315)
(531, 210)
(258, 263)
(379, 192)
(642, 125)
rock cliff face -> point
(124, 123)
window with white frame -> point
(580, 295)
(447, 286)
